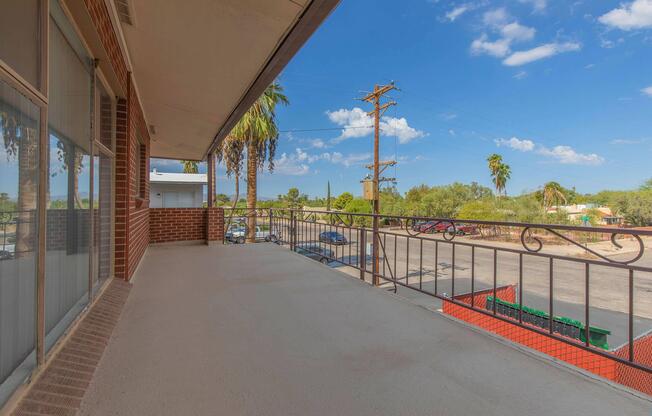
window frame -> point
(97, 145)
(38, 96)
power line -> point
(324, 129)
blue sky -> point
(562, 89)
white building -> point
(176, 190)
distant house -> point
(576, 212)
(176, 190)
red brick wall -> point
(101, 19)
(571, 354)
(177, 224)
(579, 357)
(215, 223)
(138, 235)
(121, 190)
(132, 199)
(186, 224)
(506, 293)
(632, 377)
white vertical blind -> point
(69, 216)
(19, 132)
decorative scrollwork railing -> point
(449, 232)
(527, 234)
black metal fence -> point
(10, 224)
(595, 282)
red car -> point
(464, 229)
(434, 227)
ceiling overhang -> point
(198, 65)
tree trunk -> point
(26, 224)
(252, 171)
(235, 202)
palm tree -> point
(503, 175)
(500, 172)
(230, 151)
(552, 194)
(190, 166)
(257, 129)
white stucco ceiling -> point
(195, 60)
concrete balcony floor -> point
(259, 330)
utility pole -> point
(328, 197)
(379, 109)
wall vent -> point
(124, 10)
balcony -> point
(257, 329)
(260, 328)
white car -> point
(237, 234)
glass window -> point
(68, 215)
(19, 129)
(19, 38)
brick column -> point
(214, 225)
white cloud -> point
(520, 75)
(317, 143)
(627, 141)
(451, 132)
(510, 33)
(567, 155)
(448, 116)
(299, 163)
(457, 12)
(398, 127)
(562, 154)
(496, 17)
(294, 164)
(629, 16)
(357, 123)
(517, 32)
(539, 5)
(647, 91)
(540, 52)
(523, 145)
(348, 160)
(499, 48)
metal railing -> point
(10, 222)
(236, 225)
(456, 260)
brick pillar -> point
(211, 181)
(121, 190)
(214, 225)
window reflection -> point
(19, 132)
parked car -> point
(316, 252)
(417, 225)
(237, 234)
(432, 227)
(463, 229)
(332, 237)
